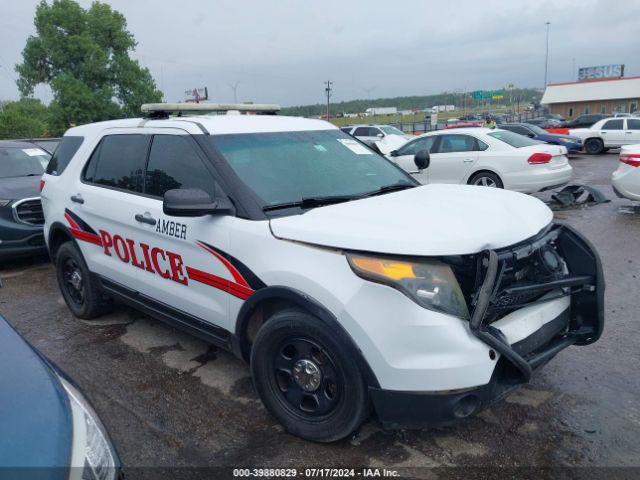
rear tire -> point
(486, 179)
(80, 290)
(306, 377)
(594, 146)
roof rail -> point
(164, 110)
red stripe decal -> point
(72, 222)
(86, 237)
(220, 283)
(232, 270)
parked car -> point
(545, 122)
(583, 121)
(487, 157)
(626, 179)
(573, 144)
(48, 426)
(463, 125)
(608, 133)
(344, 283)
(21, 166)
(553, 116)
(370, 134)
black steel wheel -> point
(594, 146)
(307, 377)
(80, 290)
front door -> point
(188, 268)
(404, 156)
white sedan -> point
(608, 133)
(626, 179)
(488, 157)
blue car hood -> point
(35, 418)
(550, 137)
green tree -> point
(83, 55)
(27, 118)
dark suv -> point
(21, 167)
(584, 121)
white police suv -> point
(341, 280)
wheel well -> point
(594, 138)
(258, 315)
(482, 171)
(261, 306)
(57, 237)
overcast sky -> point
(282, 50)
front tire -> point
(307, 379)
(486, 179)
(594, 146)
(80, 290)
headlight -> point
(566, 140)
(429, 283)
(92, 456)
(4, 202)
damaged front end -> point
(558, 262)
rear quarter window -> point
(63, 154)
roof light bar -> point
(165, 109)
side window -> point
(374, 132)
(456, 143)
(413, 147)
(519, 129)
(361, 132)
(481, 146)
(174, 163)
(613, 125)
(118, 161)
(63, 154)
(633, 124)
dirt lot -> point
(170, 400)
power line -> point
(327, 90)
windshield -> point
(288, 167)
(22, 162)
(514, 139)
(536, 129)
(391, 130)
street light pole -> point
(327, 90)
(546, 56)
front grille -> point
(29, 211)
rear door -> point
(102, 204)
(613, 133)
(453, 158)
(632, 133)
(189, 267)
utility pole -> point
(234, 87)
(327, 90)
(546, 56)
(573, 69)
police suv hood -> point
(35, 417)
(16, 188)
(426, 220)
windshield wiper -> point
(389, 188)
(310, 202)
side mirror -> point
(380, 135)
(530, 135)
(422, 159)
(393, 153)
(193, 202)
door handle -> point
(468, 160)
(628, 133)
(145, 219)
(77, 199)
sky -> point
(281, 51)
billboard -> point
(601, 71)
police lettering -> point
(154, 260)
(172, 229)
